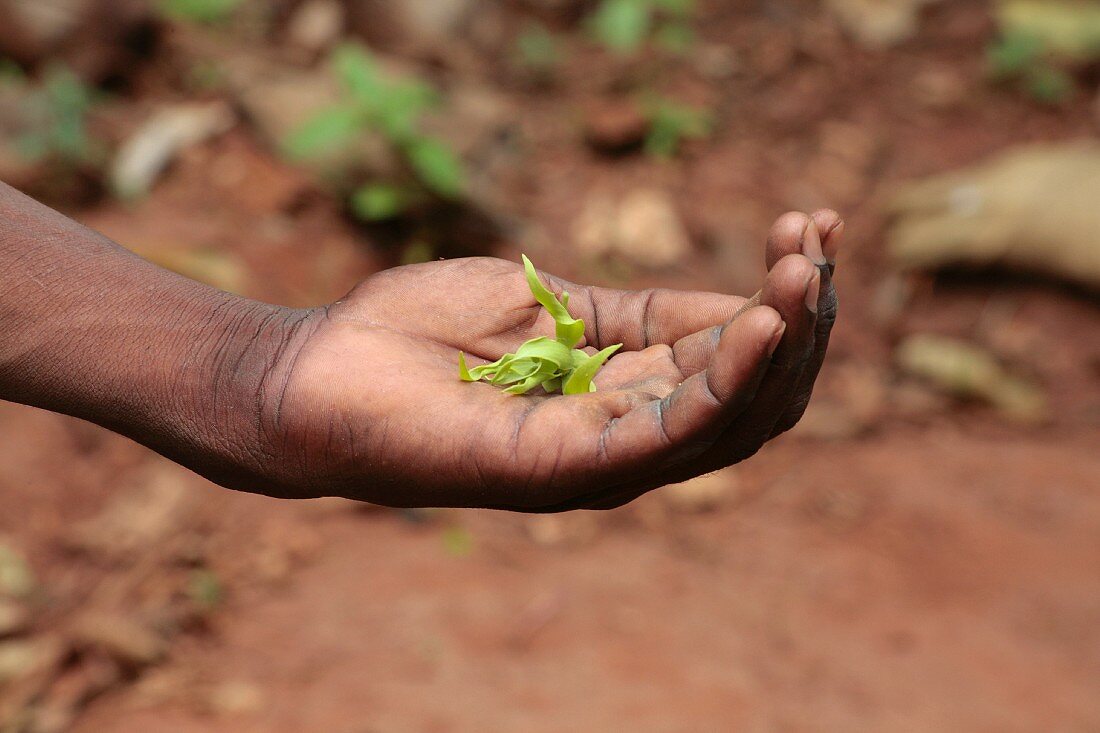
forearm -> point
(89, 329)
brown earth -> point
(899, 562)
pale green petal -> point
(568, 330)
(480, 372)
(553, 363)
(546, 372)
(580, 380)
(515, 369)
(548, 349)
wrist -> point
(90, 330)
(216, 408)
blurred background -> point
(921, 553)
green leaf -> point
(11, 74)
(670, 123)
(568, 330)
(675, 37)
(552, 363)
(32, 147)
(537, 49)
(62, 104)
(1013, 53)
(1048, 84)
(379, 201)
(544, 373)
(398, 109)
(328, 131)
(436, 166)
(512, 369)
(621, 25)
(674, 7)
(580, 381)
(198, 11)
(549, 350)
(358, 72)
(480, 372)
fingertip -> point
(827, 220)
(787, 289)
(763, 327)
(785, 236)
(770, 327)
(811, 244)
(744, 348)
(786, 283)
(764, 320)
(831, 227)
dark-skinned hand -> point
(365, 401)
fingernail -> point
(811, 244)
(776, 338)
(813, 289)
(831, 246)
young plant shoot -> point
(554, 364)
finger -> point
(792, 289)
(789, 235)
(826, 317)
(831, 228)
(645, 447)
(638, 319)
(693, 352)
(696, 413)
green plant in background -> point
(54, 117)
(206, 76)
(624, 26)
(554, 364)
(1041, 41)
(208, 12)
(10, 72)
(372, 103)
(1023, 57)
(670, 123)
(537, 50)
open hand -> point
(367, 403)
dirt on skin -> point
(898, 562)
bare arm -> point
(361, 398)
(89, 329)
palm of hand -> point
(372, 403)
